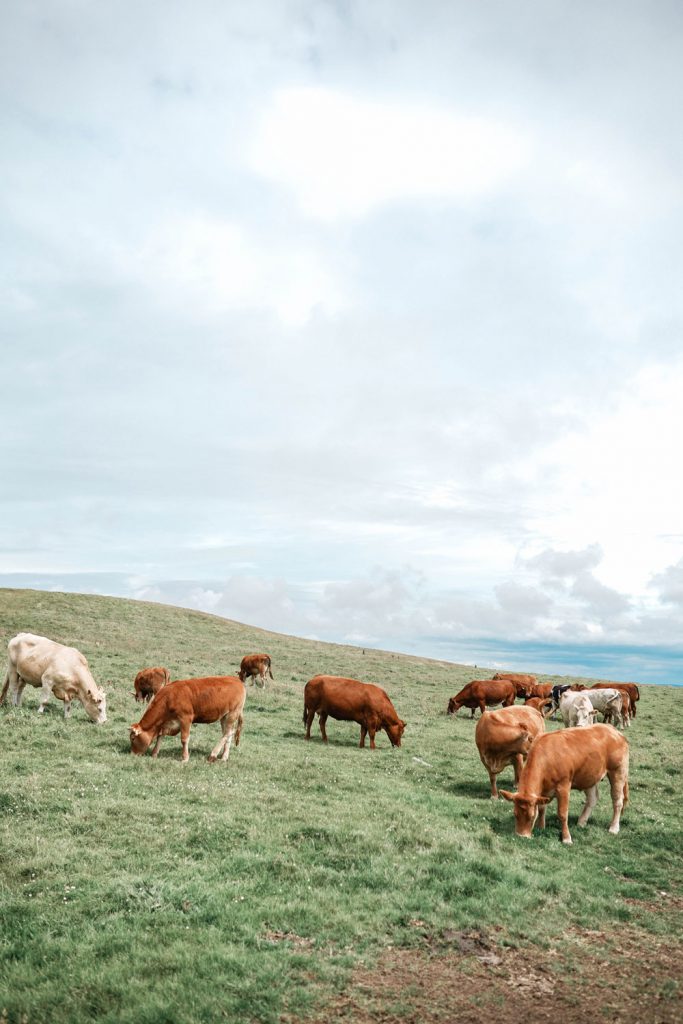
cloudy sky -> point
(355, 320)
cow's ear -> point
(507, 794)
(135, 729)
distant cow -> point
(523, 683)
(481, 693)
(570, 759)
(61, 672)
(255, 666)
(576, 710)
(349, 700)
(149, 681)
(177, 705)
(629, 688)
(504, 737)
(540, 690)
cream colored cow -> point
(61, 672)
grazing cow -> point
(570, 759)
(179, 704)
(576, 710)
(255, 665)
(149, 681)
(540, 690)
(542, 704)
(482, 692)
(628, 688)
(609, 703)
(523, 683)
(61, 672)
(504, 737)
(349, 700)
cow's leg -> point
(494, 788)
(310, 715)
(482, 707)
(518, 765)
(220, 746)
(618, 781)
(372, 732)
(472, 712)
(228, 739)
(16, 685)
(321, 721)
(363, 734)
(45, 693)
(156, 746)
(67, 708)
(540, 820)
(563, 812)
(591, 800)
(185, 740)
(262, 677)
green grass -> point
(135, 890)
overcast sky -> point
(355, 320)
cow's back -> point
(577, 753)
(33, 655)
(495, 728)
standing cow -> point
(61, 671)
(504, 737)
(149, 681)
(255, 666)
(179, 704)
(349, 700)
(481, 693)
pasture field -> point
(303, 882)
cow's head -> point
(451, 706)
(395, 731)
(95, 704)
(526, 810)
(139, 739)
(584, 717)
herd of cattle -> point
(546, 765)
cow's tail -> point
(305, 713)
(270, 671)
(625, 793)
(4, 689)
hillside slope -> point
(135, 890)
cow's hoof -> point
(567, 842)
(211, 759)
(613, 831)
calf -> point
(255, 666)
(179, 704)
(482, 692)
(504, 737)
(570, 759)
(576, 710)
(349, 700)
(149, 681)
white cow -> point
(60, 671)
(576, 710)
(609, 704)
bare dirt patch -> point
(624, 977)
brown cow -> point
(523, 683)
(255, 665)
(179, 704)
(572, 759)
(504, 737)
(481, 692)
(349, 700)
(540, 690)
(149, 681)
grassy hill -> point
(141, 891)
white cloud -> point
(343, 154)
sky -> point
(360, 321)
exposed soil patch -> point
(624, 977)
